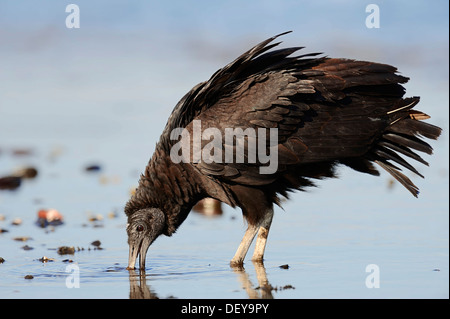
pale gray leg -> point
(263, 227)
(239, 256)
(261, 240)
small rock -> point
(112, 215)
(49, 217)
(26, 172)
(95, 218)
(28, 277)
(16, 221)
(10, 182)
(66, 250)
(45, 259)
(3, 230)
(22, 152)
(26, 247)
(286, 266)
(287, 287)
(2, 260)
(93, 168)
(23, 238)
(96, 243)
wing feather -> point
(326, 111)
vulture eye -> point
(140, 228)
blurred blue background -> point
(102, 93)
(131, 57)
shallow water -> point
(326, 240)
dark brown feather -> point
(327, 112)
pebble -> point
(284, 287)
(96, 243)
(277, 288)
(23, 238)
(112, 215)
(26, 172)
(286, 266)
(49, 217)
(28, 277)
(10, 182)
(16, 221)
(45, 259)
(95, 218)
(22, 152)
(66, 250)
(93, 168)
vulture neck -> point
(173, 188)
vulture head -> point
(143, 227)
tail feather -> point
(414, 126)
(404, 150)
(405, 181)
(390, 155)
(409, 141)
(404, 134)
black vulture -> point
(323, 112)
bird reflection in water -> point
(139, 289)
(264, 290)
(138, 286)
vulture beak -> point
(138, 249)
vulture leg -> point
(261, 239)
(239, 256)
(262, 228)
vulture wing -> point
(326, 111)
